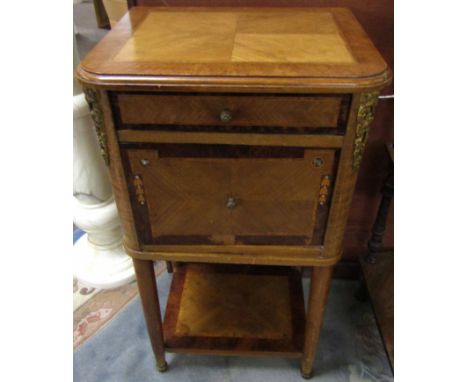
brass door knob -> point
(225, 116)
(231, 203)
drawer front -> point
(192, 194)
(233, 111)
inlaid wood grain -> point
(186, 197)
(222, 37)
(296, 48)
(246, 110)
(328, 47)
(235, 310)
(233, 305)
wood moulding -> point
(236, 254)
(299, 140)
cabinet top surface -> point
(323, 45)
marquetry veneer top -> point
(321, 45)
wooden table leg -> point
(318, 292)
(146, 279)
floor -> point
(350, 349)
(86, 31)
(94, 308)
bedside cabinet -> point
(234, 138)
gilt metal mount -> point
(364, 119)
(139, 191)
(323, 193)
(92, 97)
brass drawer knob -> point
(225, 116)
(318, 162)
(144, 162)
(231, 203)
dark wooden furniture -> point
(101, 15)
(377, 265)
(234, 137)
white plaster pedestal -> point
(99, 260)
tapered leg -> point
(318, 292)
(146, 279)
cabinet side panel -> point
(348, 169)
(119, 185)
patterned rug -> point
(93, 308)
(97, 309)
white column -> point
(99, 259)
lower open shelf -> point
(235, 310)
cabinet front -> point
(221, 194)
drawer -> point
(232, 111)
(193, 194)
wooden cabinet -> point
(234, 139)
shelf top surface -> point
(317, 43)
